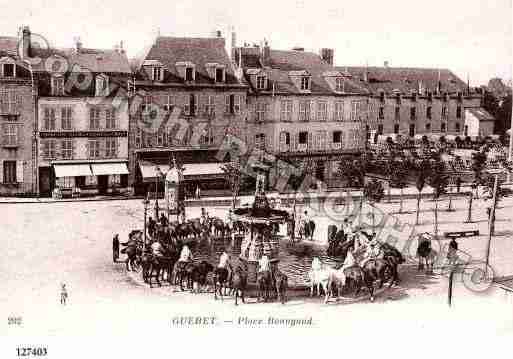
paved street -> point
(46, 244)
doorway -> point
(103, 184)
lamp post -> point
(146, 202)
(158, 174)
(510, 150)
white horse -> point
(319, 277)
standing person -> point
(115, 248)
(151, 226)
(451, 253)
(224, 262)
(64, 294)
(163, 220)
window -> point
(337, 137)
(57, 83)
(457, 126)
(156, 73)
(303, 138)
(305, 83)
(357, 110)
(284, 141)
(339, 84)
(219, 75)
(10, 172)
(111, 147)
(10, 134)
(260, 141)
(397, 113)
(48, 149)
(444, 112)
(94, 148)
(261, 111)
(66, 115)
(430, 97)
(322, 111)
(138, 138)
(413, 113)
(286, 110)
(9, 70)
(398, 98)
(207, 137)
(189, 73)
(237, 99)
(428, 127)
(168, 103)
(458, 112)
(304, 110)
(102, 85)
(191, 106)
(67, 149)
(9, 102)
(209, 106)
(396, 128)
(260, 82)
(443, 127)
(414, 97)
(49, 119)
(110, 118)
(382, 96)
(429, 112)
(339, 111)
(381, 113)
(94, 118)
(380, 129)
(412, 130)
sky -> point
(471, 37)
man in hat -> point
(373, 252)
(224, 262)
(115, 248)
(151, 226)
(163, 220)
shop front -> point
(83, 178)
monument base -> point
(252, 267)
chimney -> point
(327, 56)
(121, 49)
(78, 44)
(385, 64)
(266, 53)
(25, 42)
(219, 34)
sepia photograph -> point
(290, 178)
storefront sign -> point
(61, 134)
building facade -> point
(302, 110)
(414, 102)
(185, 98)
(17, 117)
(83, 121)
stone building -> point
(17, 116)
(301, 109)
(83, 121)
(185, 98)
(415, 101)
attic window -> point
(157, 73)
(219, 75)
(339, 84)
(305, 83)
(9, 70)
(57, 84)
(189, 73)
(102, 85)
(260, 82)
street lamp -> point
(158, 174)
(146, 202)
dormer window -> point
(57, 84)
(102, 85)
(260, 82)
(305, 83)
(339, 84)
(9, 70)
(189, 73)
(219, 75)
(157, 73)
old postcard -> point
(255, 178)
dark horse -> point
(308, 230)
(181, 272)
(239, 282)
(377, 269)
(222, 278)
(281, 284)
(265, 285)
(426, 253)
(155, 266)
(198, 275)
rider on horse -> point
(185, 255)
(264, 265)
(373, 252)
(204, 217)
(224, 262)
(157, 249)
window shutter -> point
(294, 141)
(1, 171)
(282, 141)
(196, 104)
(4, 134)
(310, 141)
(19, 135)
(312, 110)
(3, 94)
(19, 171)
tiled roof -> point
(95, 60)
(200, 51)
(8, 46)
(481, 114)
(405, 79)
(282, 62)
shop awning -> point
(114, 168)
(149, 169)
(72, 170)
(201, 169)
